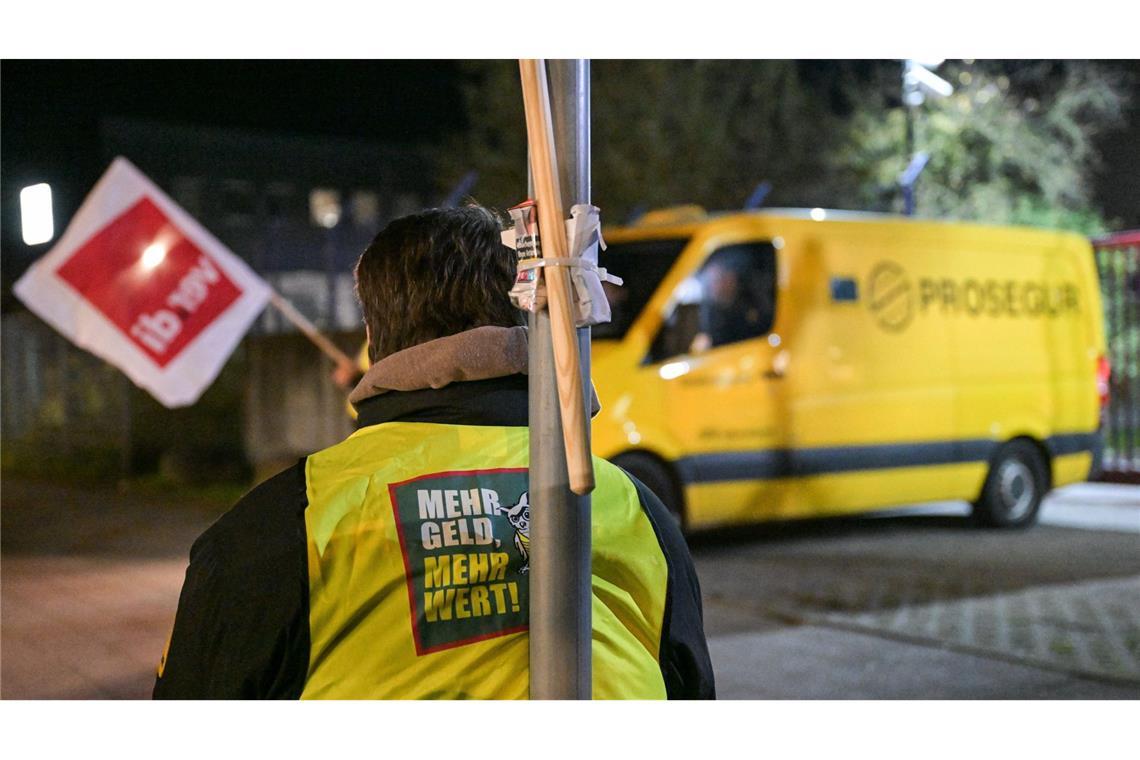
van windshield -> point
(642, 264)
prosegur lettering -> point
(1009, 298)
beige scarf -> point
(478, 354)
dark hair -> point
(434, 274)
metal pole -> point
(908, 108)
(909, 132)
(560, 597)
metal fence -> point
(1118, 263)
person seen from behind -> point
(395, 564)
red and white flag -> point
(138, 282)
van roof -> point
(692, 214)
(686, 219)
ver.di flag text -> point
(140, 283)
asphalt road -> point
(922, 604)
(918, 604)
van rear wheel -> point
(1014, 487)
(650, 471)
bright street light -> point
(918, 79)
(36, 220)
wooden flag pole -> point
(552, 229)
(308, 329)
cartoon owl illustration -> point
(519, 518)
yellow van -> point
(793, 363)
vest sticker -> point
(465, 537)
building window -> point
(187, 192)
(365, 208)
(238, 201)
(324, 207)
(281, 202)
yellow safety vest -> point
(418, 550)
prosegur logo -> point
(895, 299)
(890, 296)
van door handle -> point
(774, 374)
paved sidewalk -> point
(1094, 506)
(1087, 506)
(1084, 628)
(821, 662)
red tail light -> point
(1103, 375)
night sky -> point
(387, 100)
(52, 109)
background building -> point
(299, 210)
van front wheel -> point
(1014, 488)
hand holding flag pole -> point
(309, 330)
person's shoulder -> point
(611, 480)
(267, 520)
(615, 482)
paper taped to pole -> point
(138, 282)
